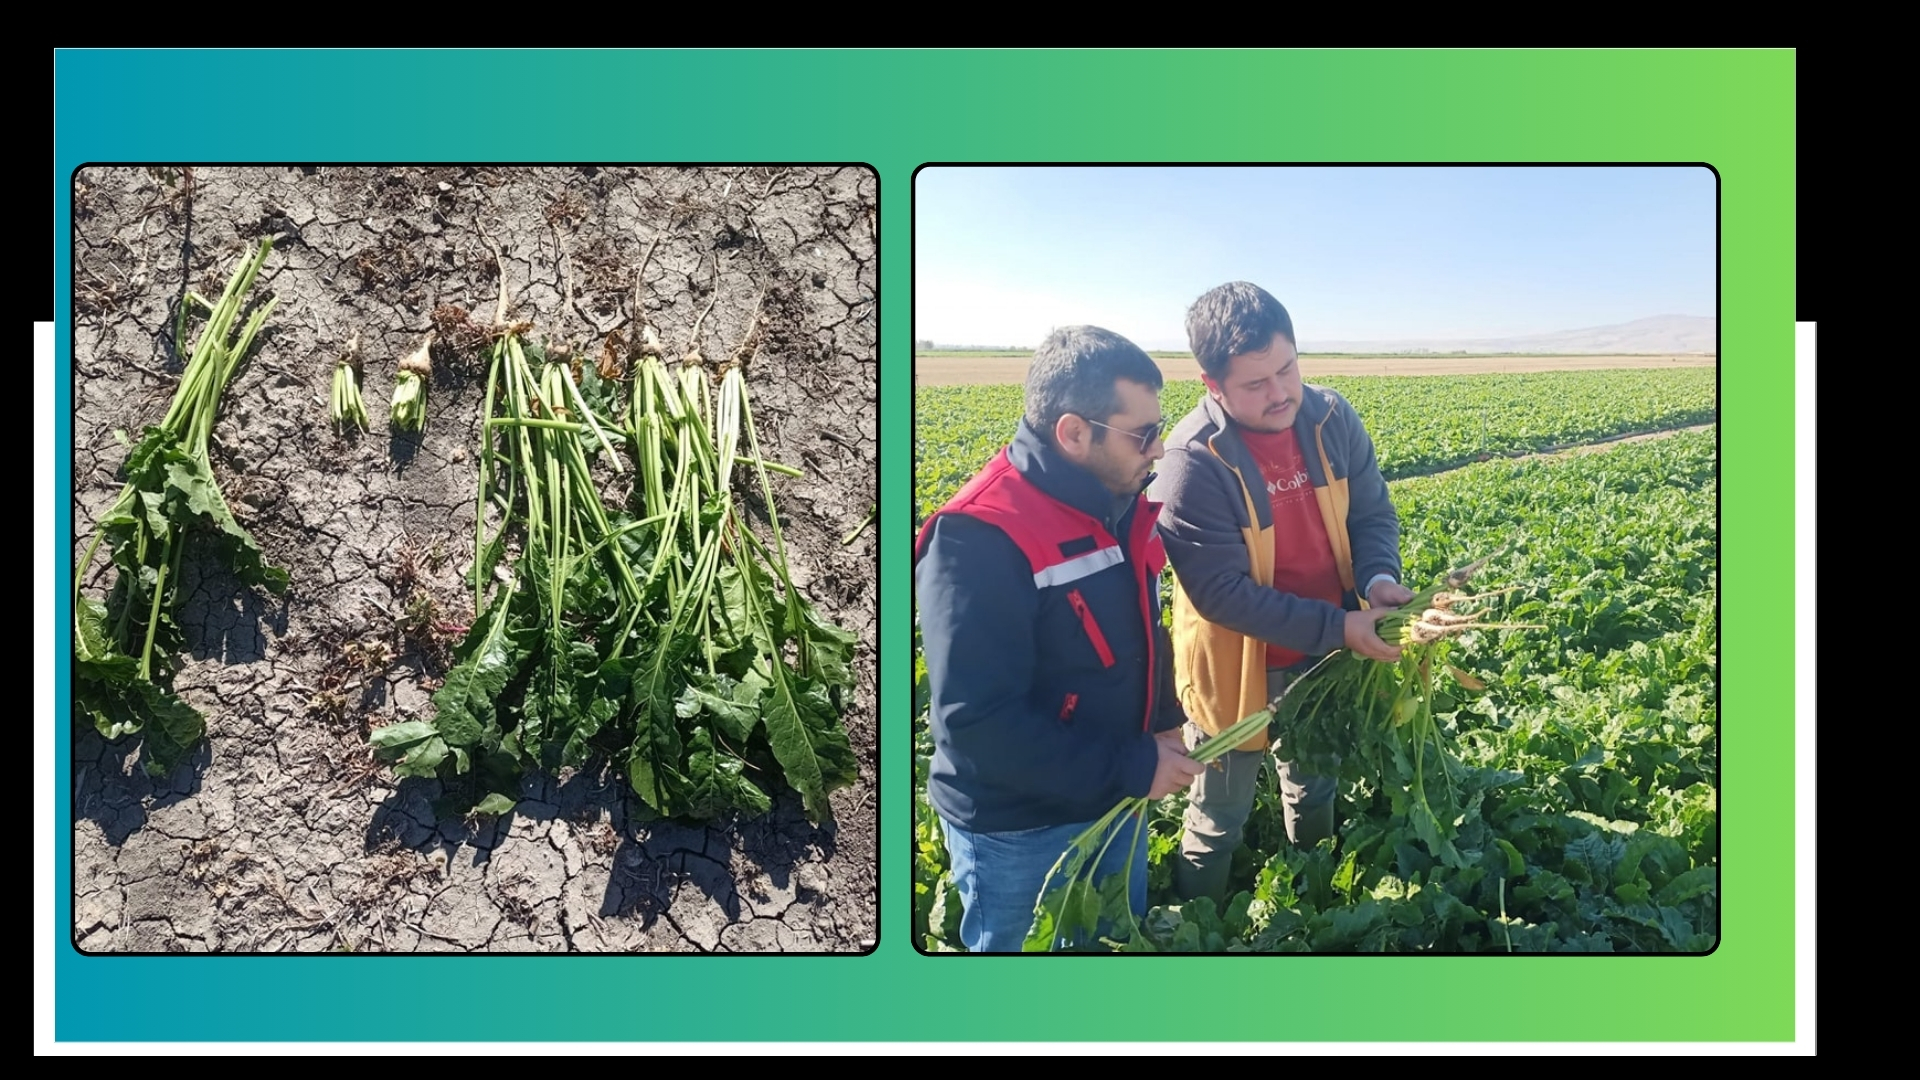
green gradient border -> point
(1732, 110)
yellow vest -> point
(1220, 675)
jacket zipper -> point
(1093, 628)
(1146, 613)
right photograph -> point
(1316, 559)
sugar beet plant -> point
(659, 634)
(1349, 716)
(1370, 721)
(124, 649)
(1072, 911)
(718, 671)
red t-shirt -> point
(1302, 555)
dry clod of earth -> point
(281, 833)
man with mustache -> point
(1284, 547)
(1049, 670)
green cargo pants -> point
(1221, 799)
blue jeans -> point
(999, 876)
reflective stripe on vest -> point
(1039, 525)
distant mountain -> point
(1659, 334)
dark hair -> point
(1234, 319)
(1074, 371)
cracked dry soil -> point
(281, 833)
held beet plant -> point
(1348, 715)
(1071, 909)
(124, 648)
(1371, 721)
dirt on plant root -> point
(281, 833)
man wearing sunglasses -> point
(1050, 673)
(1285, 547)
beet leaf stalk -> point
(346, 408)
(124, 648)
(1071, 910)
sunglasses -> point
(1147, 436)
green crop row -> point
(1420, 424)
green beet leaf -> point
(826, 650)
(654, 759)
(807, 740)
(733, 704)
(414, 747)
(1699, 881)
(465, 706)
(718, 782)
(495, 804)
(193, 479)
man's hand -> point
(1388, 594)
(1175, 771)
(1363, 638)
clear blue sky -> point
(1001, 255)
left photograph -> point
(474, 558)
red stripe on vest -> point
(1099, 639)
(1038, 524)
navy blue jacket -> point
(1049, 667)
